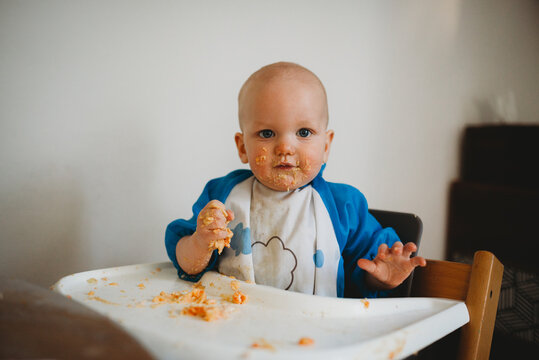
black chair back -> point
(409, 227)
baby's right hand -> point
(212, 230)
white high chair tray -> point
(391, 328)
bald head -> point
(279, 72)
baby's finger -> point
(212, 218)
(418, 261)
(366, 265)
(409, 248)
(230, 215)
(396, 249)
(383, 251)
(220, 233)
(215, 204)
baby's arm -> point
(390, 267)
(194, 252)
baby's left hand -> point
(392, 266)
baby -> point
(290, 228)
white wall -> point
(113, 114)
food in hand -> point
(220, 244)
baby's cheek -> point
(260, 159)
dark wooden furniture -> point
(37, 323)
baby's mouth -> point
(285, 166)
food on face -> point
(260, 159)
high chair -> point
(478, 285)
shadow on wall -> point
(41, 229)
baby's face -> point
(284, 136)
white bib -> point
(289, 242)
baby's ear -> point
(327, 145)
(241, 147)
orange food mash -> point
(239, 297)
(262, 344)
(365, 303)
(207, 313)
(305, 341)
(201, 307)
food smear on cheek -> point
(259, 160)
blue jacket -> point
(358, 233)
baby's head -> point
(283, 116)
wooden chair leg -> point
(482, 303)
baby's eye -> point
(304, 132)
(266, 134)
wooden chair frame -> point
(478, 285)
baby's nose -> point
(284, 148)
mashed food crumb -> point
(365, 303)
(262, 344)
(305, 341)
(239, 297)
(207, 313)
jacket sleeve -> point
(216, 189)
(363, 236)
(180, 228)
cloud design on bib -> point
(274, 249)
(241, 240)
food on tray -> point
(197, 296)
(92, 281)
(201, 306)
(365, 303)
(113, 284)
(239, 297)
(305, 341)
(262, 344)
(207, 313)
(97, 298)
(141, 286)
(235, 285)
